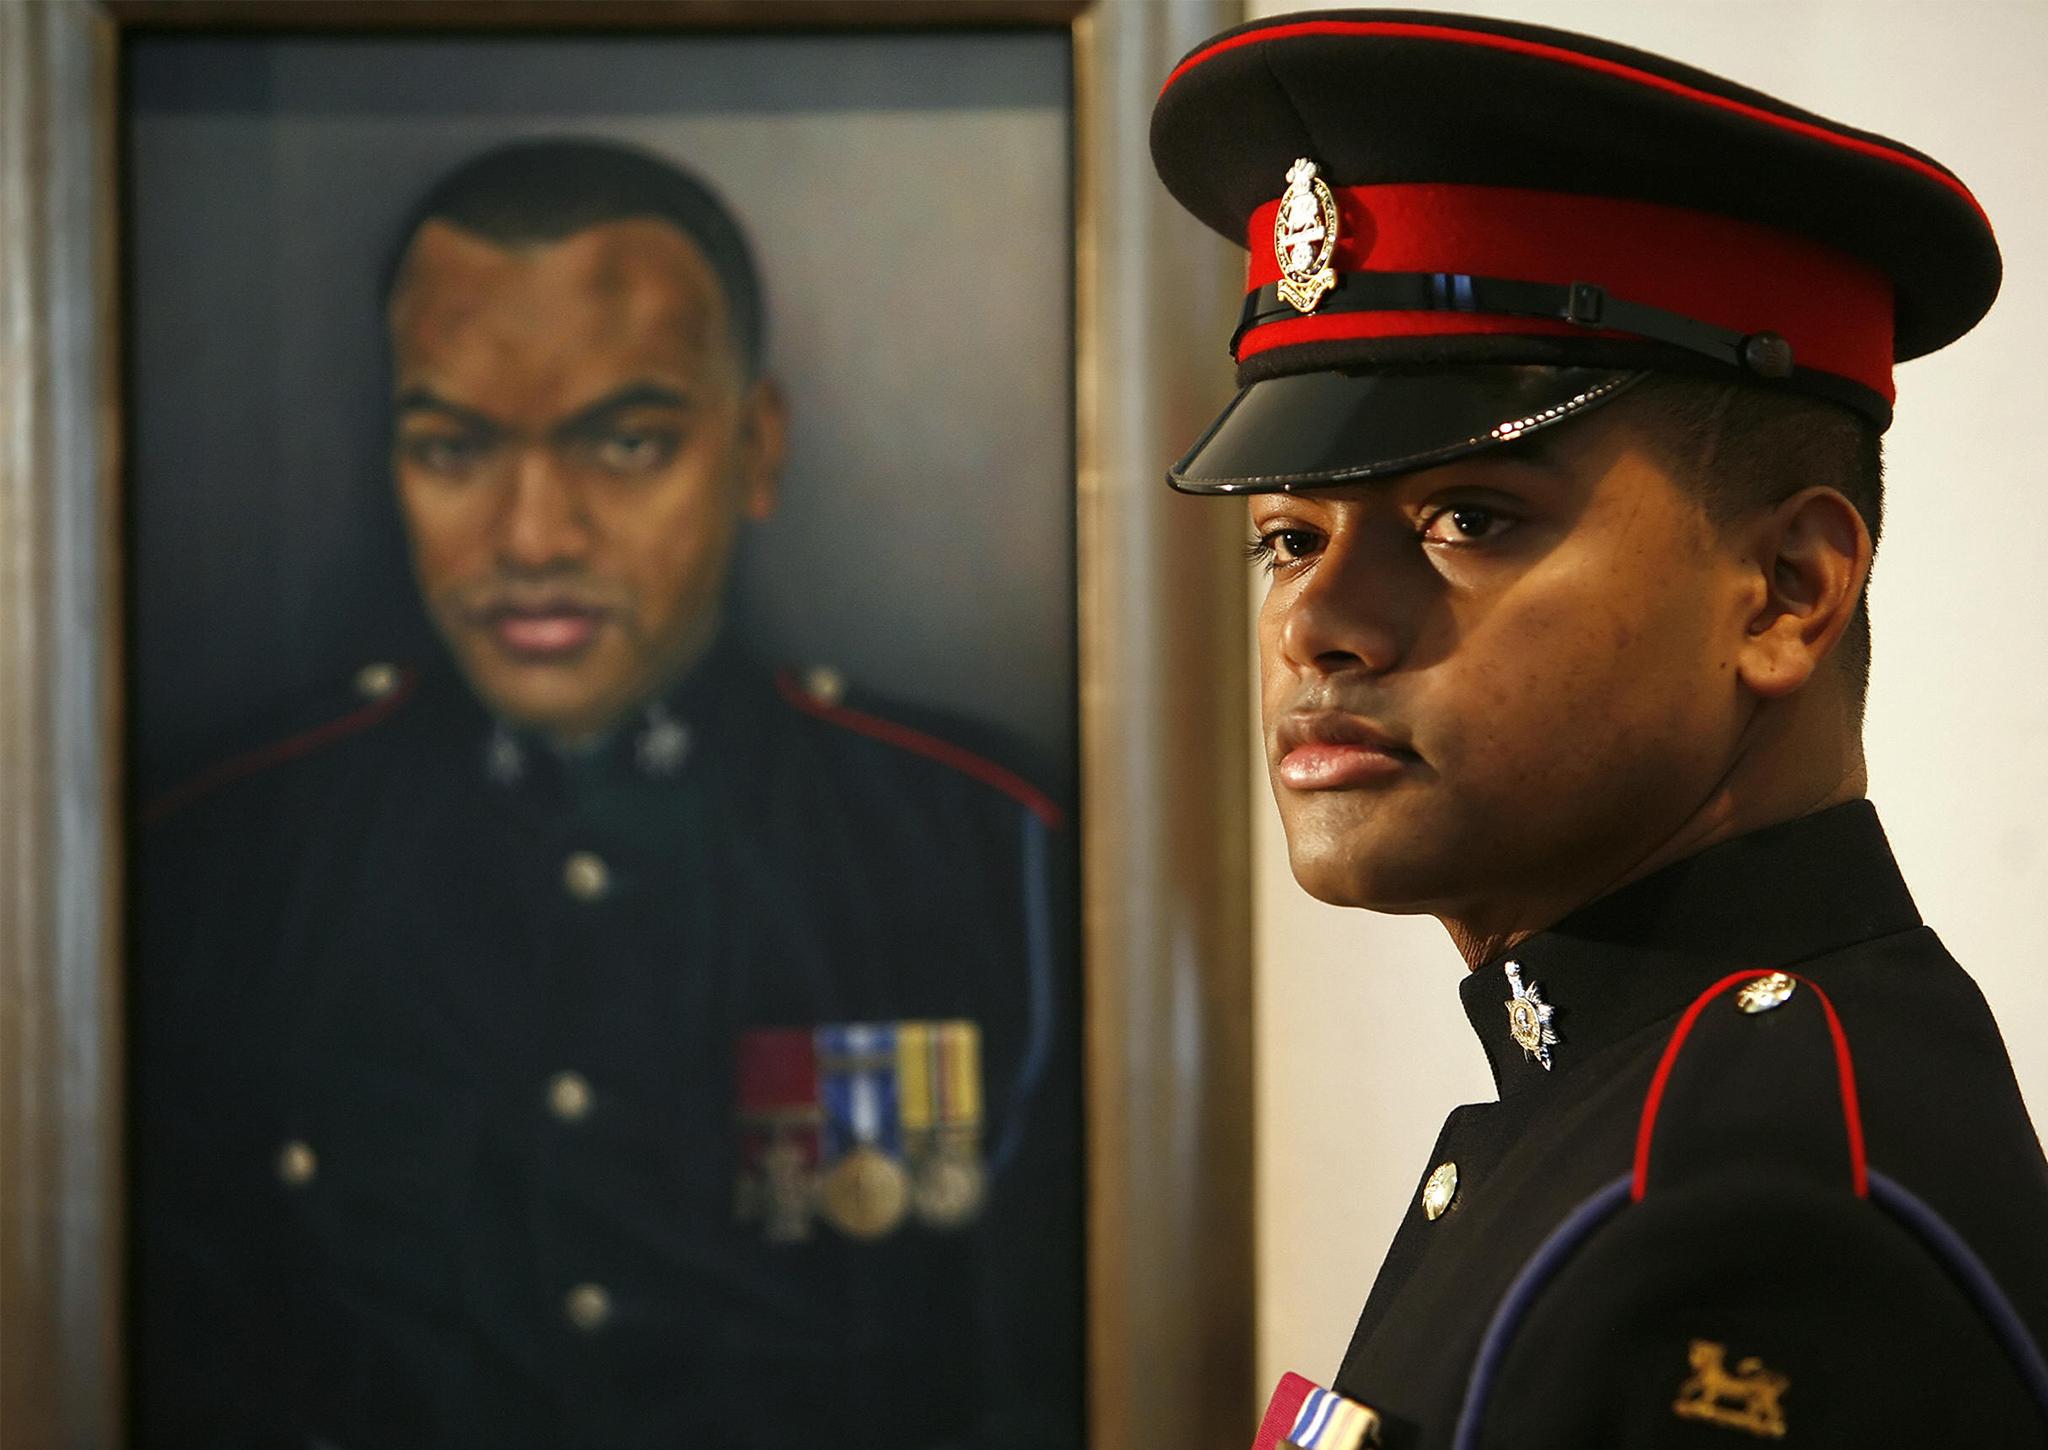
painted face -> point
(1492, 681)
(574, 446)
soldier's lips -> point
(544, 634)
(1332, 751)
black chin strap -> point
(1763, 354)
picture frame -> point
(1164, 814)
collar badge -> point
(1305, 237)
(1529, 1018)
(504, 757)
(664, 744)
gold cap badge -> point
(1305, 237)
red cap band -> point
(1834, 309)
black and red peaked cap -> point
(1461, 230)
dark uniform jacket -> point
(1722, 1217)
(436, 1056)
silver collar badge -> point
(1529, 1018)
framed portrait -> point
(626, 793)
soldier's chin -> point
(554, 702)
(1357, 869)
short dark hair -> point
(1740, 448)
(548, 189)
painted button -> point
(1766, 993)
(825, 685)
(586, 876)
(1439, 1191)
(587, 1306)
(297, 1164)
(374, 682)
(569, 1096)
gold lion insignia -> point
(1747, 1400)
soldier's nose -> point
(545, 518)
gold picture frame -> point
(1165, 811)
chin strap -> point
(1584, 304)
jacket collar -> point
(1770, 899)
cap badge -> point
(1305, 237)
(1529, 1018)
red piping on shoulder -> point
(1845, 1074)
(291, 748)
(917, 742)
(1422, 31)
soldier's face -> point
(574, 444)
(1483, 681)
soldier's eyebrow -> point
(632, 395)
(426, 400)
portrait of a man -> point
(592, 1033)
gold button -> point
(374, 682)
(586, 876)
(1439, 1191)
(1766, 993)
(296, 1164)
(588, 1306)
(569, 1096)
(825, 685)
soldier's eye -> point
(635, 450)
(1463, 524)
(445, 453)
(1276, 547)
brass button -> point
(1439, 1191)
(587, 1306)
(586, 876)
(825, 685)
(297, 1165)
(374, 682)
(569, 1096)
(1766, 993)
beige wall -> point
(1362, 1046)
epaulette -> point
(1753, 1101)
(376, 692)
(821, 694)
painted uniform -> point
(442, 1046)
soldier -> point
(1562, 373)
(595, 1039)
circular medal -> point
(866, 1194)
(949, 1188)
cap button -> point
(1767, 355)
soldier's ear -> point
(764, 443)
(1811, 555)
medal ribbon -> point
(857, 1078)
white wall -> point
(1362, 1045)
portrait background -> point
(1161, 640)
(909, 199)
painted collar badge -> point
(1529, 1018)
(1305, 237)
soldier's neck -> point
(1791, 763)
